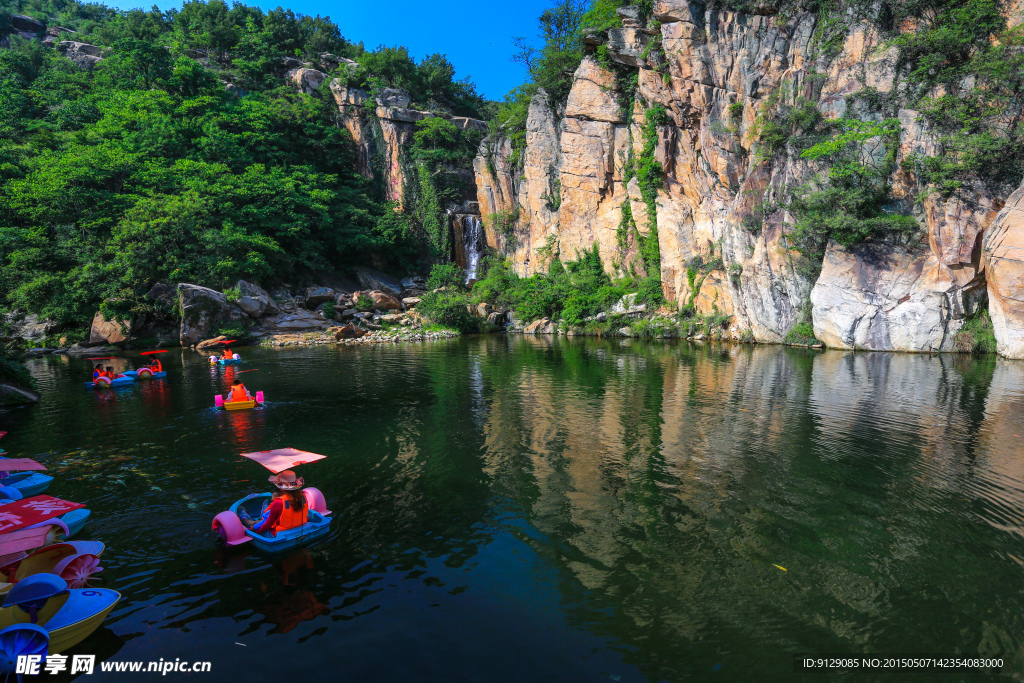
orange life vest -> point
(98, 373)
(155, 366)
(238, 394)
(290, 517)
(228, 354)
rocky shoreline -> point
(372, 337)
(371, 308)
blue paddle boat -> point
(316, 527)
(27, 483)
(317, 524)
(24, 476)
(74, 520)
(68, 616)
(104, 382)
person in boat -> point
(98, 372)
(110, 372)
(238, 393)
(287, 508)
(228, 354)
(156, 366)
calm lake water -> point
(521, 509)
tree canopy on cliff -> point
(148, 169)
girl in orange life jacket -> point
(110, 372)
(228, 354)
(97, 372)
(287, 509)
(238, 393)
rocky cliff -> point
(719, 214)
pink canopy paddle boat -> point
(232, 532)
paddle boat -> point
(121, 380)
(75, 520)
(156, 373)
(256, 400)
(23, 474)
(228, 524)
(146, 373)
(75, 562)
(17, 512)
(107, 383)
(221, 360)
(68, 616)
(15, 545)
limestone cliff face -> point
(714, 73)
(382, 143)
(1003, 257)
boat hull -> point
(240, 405)
(70, 616)
(82, 614)
(150, 375)
(75, 520)
(28, 483)
(119, 382)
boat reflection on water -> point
(293, 602)
(245, 428)
(157, 395)
(103, 643)
(105, 397)
(288, 601)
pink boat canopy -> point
(282, 459)
(20, 465)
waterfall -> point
(473, 244)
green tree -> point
(256, 54)
(136, 63)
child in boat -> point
(110, 372)
(238, 393)
(155, 366)
(287, 508)
(98, 372)
(228, 354)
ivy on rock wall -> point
(959, 68)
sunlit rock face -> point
(1003, 253)
(383, 134)
(720, 198)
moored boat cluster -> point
(48, 604)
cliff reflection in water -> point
(558, 509)
(672, 484)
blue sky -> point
(476, 35)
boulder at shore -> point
(109, 331)
(203, 311)
(254, 300)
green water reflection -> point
(514, 509)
